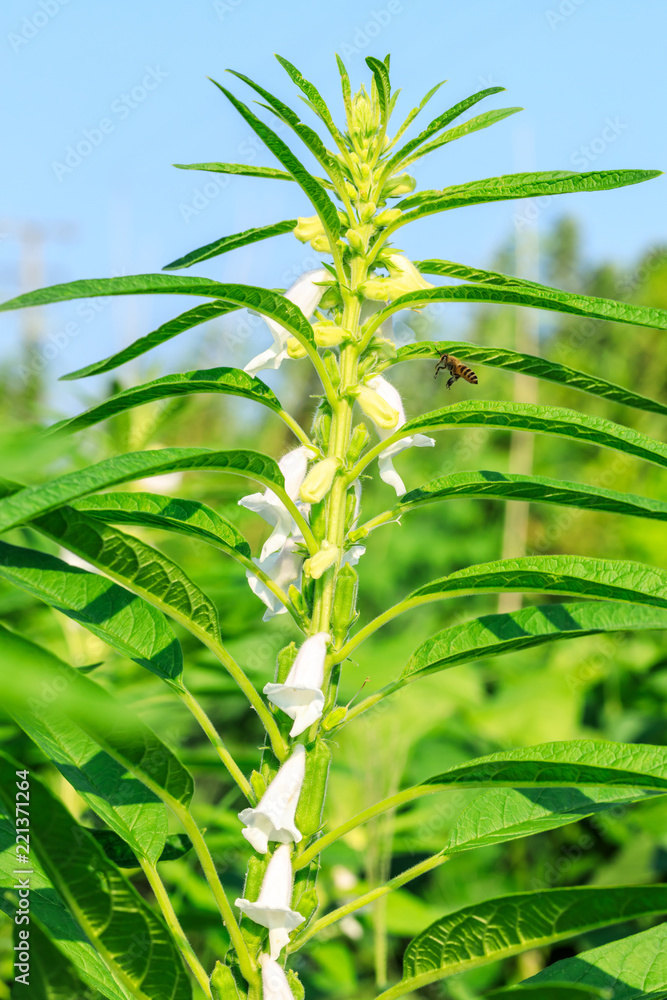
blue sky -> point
(129, 79)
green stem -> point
(296, 429)
(368, 897)
(246, 964)
(407, 795)
(173, 923)
(225, 756)
(386, 616)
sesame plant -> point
(90, 929)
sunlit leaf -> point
(474, 125)
(228, 243)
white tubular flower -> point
(284, 567)
(274, 980)
(293, 467)
(305, 294)
(273, 817)
(272, 909)
(301, 695)
(388, 473)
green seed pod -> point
(344, 603)
(285, 662)
(285, 659)
(318, 524)
(360, 438)
(296, 597)
(304, 895)
(223, 984)
(350, 509)
(307, 904)
(334, 718)
(311, 801)
(331, 365)
(322, 426)
(254, 934)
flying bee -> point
(456, 368)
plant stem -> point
(246, 964)
(225, 756)
(173, 923)
(368, 897)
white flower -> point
(273, 817)
(305, 294)
(388, 473)
(274, 980)
(301, 695)
(272, 909)
(284, 568)
(272, 509)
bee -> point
(456, 368)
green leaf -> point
(323, 205)
(498, 928)
(345, 84)
(42, 683)
(51, 976)
(527, 185)
(533, 296)
(135, 565)
(493, 635)
(532, 489)
(151, 510)
(554, 991)
(229, 381)
(474, 125)
(634, 968)
(381, 78)
(126, 622)
(539, 419)
(34, 500)
(529, 364)
(315, 99)
(246, 170)
(132, 940)
(227, 243)
(608, 579)
(415, 111)
(115, 848)
(442, 121)
(193, 317)
(262, 300)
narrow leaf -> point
(498, 928)
(151, 510)
(381, 77)
(315, 99)
(34, 500)
(529, 364)
(229, 381)
(633, 968)
(474, 125)
(542, 420)
(415, 111)
(532, 489)
(193, 317)
(246, 170)
(126, 622)
(494, 635)
(132, 940)
(228, 243)
(527, 185)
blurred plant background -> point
(611, 687)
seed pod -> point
(311, 802)
(331, 365)
(223, 984)
(344, 603)
(322, 426)
(258, 784)
(304, 894)
(296, 597)
(270, 764)
(253, 934)
(360, 438)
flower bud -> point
(368, 211)
(308, 227)
(295, 349)
(321, 244)
(331, 365)
(354, 239)
(375, 407)
(318, 564)
(358, 441)
(328, 334)
(318, 481)
(388, 216)
(401, 184)
(334, 718)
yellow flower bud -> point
(334, 718)
(318, 481)
(354, 239)
(295, 350)
(378, 289)
(368, 211)
(321, 244)
(328, 334)
(401, 184)
(375, 407)
(387, 217)
(308, 227)
(322, 560)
